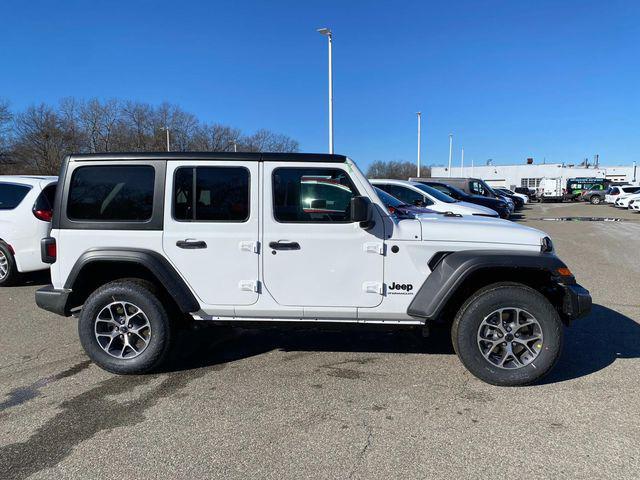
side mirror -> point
(361, 210)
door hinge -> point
(372, 287)
(374, 247)
(249, 286)
(249, 246)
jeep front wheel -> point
(595, 200)
(508, 334)
(124, 328)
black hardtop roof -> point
(244, 156)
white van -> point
(551, 190)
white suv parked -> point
(421, 195)
(140, 242)
(613, 193)
(25, 216)
(624, 199)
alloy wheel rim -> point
(122, 330)
(4, 266)
(510, 338)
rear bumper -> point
(52, 300)
(576, 302)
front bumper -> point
(52, 300)
(576, 301)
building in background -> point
(530, 174)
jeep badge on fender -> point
(404, 287)
(140, 242)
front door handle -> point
(191, 244)
(284, 245)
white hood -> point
(462, 208)
(474, 230)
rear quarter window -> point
(115, 193)
(11, 195)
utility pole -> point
(462, 162)
(419, 122)
(450, 151)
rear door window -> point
(12, 194)
(211, 194)
(120, 193)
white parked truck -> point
(141, 240)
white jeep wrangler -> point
(141, 240)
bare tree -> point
(396, 169)
(41, 141)
(41, 135)
(216, 138)
(98, 121)
(266, 141)
(5, 131)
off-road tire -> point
(464, 333)
(143, 295)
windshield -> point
(491, 190)
(388, 200)
(11, 195)
(443, 197)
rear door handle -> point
(284, 245)
(191, 244)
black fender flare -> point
(159, 266)
(452, 269)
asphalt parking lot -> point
(282, 404)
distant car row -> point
(458, 196)
(621, 196)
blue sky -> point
(510, 79)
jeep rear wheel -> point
(507, 334)
(124, 328)
(595, 200)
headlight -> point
(546, 245)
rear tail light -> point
(44, 215)
(391, 209)
(48, 250)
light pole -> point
(327, 33)
(450, 151)
(419, 122)
(166, 129)
(462, 163)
